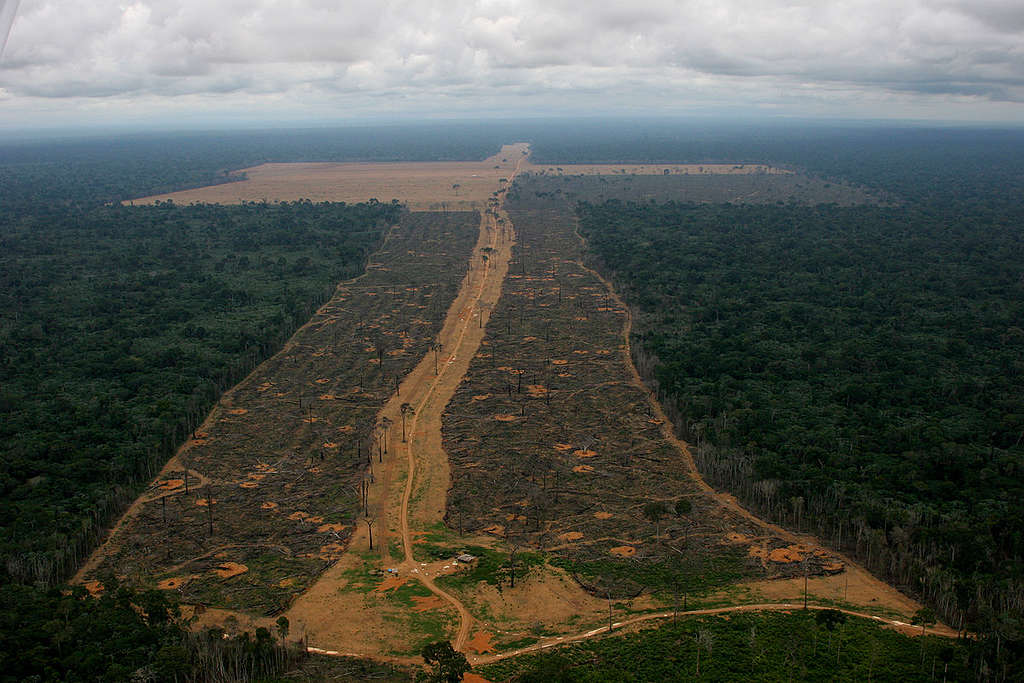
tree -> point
(830, 619)
(436, 348)
(704, 640)
(683, 507)
(369, 530)
(282, 628)
(444, 663)
(385, 424)
(924, 618)
(654, 511)
(407, 411)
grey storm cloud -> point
(545, 53)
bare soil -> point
(422, 186)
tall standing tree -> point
(407, 411)
(654, 511)
(385, 425)
(436, 348)
(444, 663)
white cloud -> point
(947, 58)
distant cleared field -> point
(422, 186)
(656, 169)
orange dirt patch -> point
(171, 484)
(426, 603)
(470, 677)
(481, 642)
(238, 411)
(285, 583)
(735, 538)
(581, 352)
(559, 362)
(587, 453)
(506, 418)
(94, 587)
(249, 485)
(792, 553)
(603, 515)
(298, 516)
(328, 397)
(202, 502)
(571, 536)
(390, 583)
(623, 551)
(563, 446)
(346, 429)
(582, 469)
(268, 506)
(322, 380)
(257, 477)
(529, 339)
(495, 529)
(536, 389)
(481, 397)
(226, 570)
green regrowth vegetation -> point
(746, 646)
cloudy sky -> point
(91, 62)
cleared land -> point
(422, 186)
(658, 169)
(553, 450)
(264, 496)
(735, 188)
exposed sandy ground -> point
(421, 186)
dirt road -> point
(407, 494)
(547, 643)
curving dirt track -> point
(902, 626)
